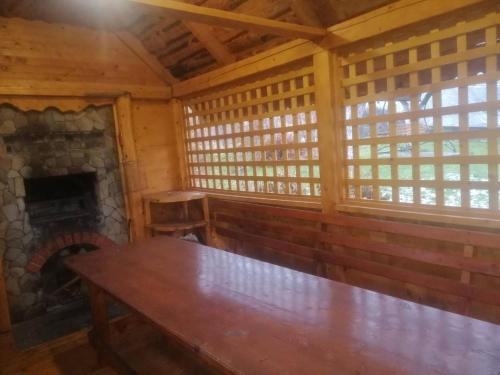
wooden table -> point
(252, 317)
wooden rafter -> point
(223, 18)
(137, 47)
(358, 28)
(206, 37)
(304, 10)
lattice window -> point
(257, 138)
(422, 121)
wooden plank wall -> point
(425, 264)
(156, 149)
(54, 59)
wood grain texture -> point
(52, 59)
(253, 317)
(412, 261)
(222, 18)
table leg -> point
(100, 320)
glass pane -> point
(426, 125)
(405, 172)
(478, 120)
(478, 172)
(404, 150)
(477, 93)
(428, 196)
(452, 197)
(351, 192)
(385, 193)
(450, 122)
(305, 188)
(365, 172)
(427, 172)
(304, 171)
(383, 151)
(382, 129)
(449, 97)
(384, 172)
(316, 172)
(363, 110)
(451, 147)
(381, 107)
(367, 192)
(406, 194)
(364, 131)
(426, 149)
(365, 152)
(451, 172)
(348, 132)
(478, 147)
(280, 171)
(403, 127)
(479, 198)
(425, 101)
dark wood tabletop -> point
(253, 317)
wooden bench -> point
(460, 263)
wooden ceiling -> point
(186, 48)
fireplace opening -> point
(62, 288)
(60, 198)
(65, 302)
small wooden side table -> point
(176, 213)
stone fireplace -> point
(60, 194)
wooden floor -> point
(143, 349)
(57, 357)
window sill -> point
(473, 219)
(285, 201)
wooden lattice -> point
(258, 138)
(422, 121)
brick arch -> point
(64, 240)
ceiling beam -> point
(149, 59)
(390, 17)
(205, 35)
(223, 18)
(353, 30)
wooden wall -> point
(451, 269)
(52, 65)
(54, 59)
(156, 150)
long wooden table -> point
(251, 317)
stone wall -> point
(51, 143)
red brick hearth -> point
(64, 240)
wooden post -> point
(128, 164)
(100, 320)
(5, 324)
(149, 232)
(206, 217)
(465, 276)
(330, 114)
(6, 341)
(178, 123)
(328, 107)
